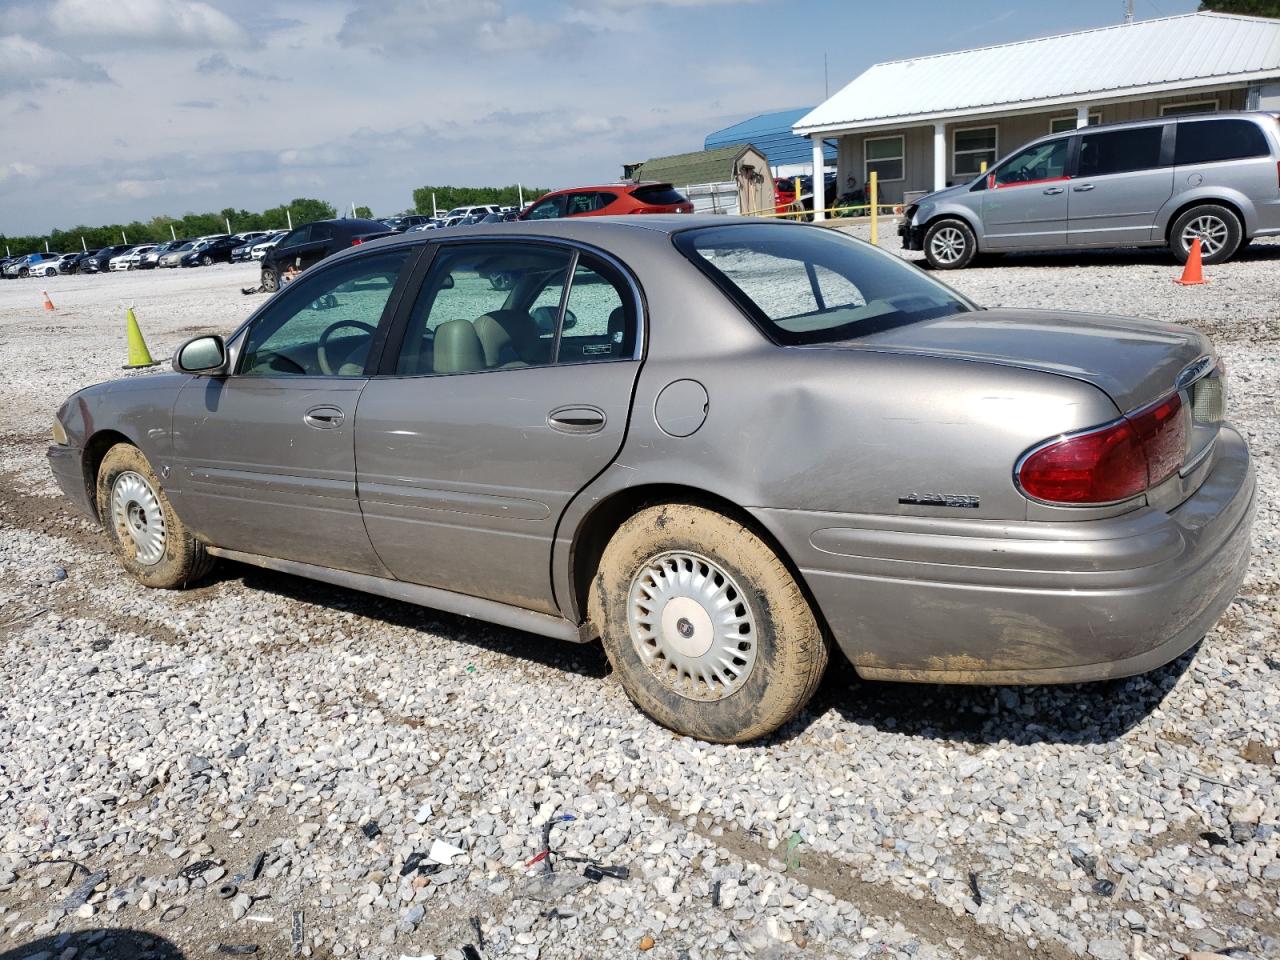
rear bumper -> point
(972, 601)
(65, 463)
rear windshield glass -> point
(813, 285)
(661, 193)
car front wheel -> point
(1215, 226)
(270, 280)
(206, 260)
(147, 536)
(949, 245)
(707, 629)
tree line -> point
(302, 209)
(446, 198)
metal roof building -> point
(771, 134)
(924, 122)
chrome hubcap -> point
(135, 510)
(947, 245)
(1209, 230)
(692, 626)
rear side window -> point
(1119, 151)
(661, 194)
(1207, 141)
(804, 285)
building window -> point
(1193, 106)
(1063, 124)
(884, 156)
(971, 148)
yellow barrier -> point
(875, 219)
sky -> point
(114, 110)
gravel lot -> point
(145, 731)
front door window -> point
(323, 325)
(1044, 161)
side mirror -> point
(203, 356)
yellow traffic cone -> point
(139, 355)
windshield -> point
(806, 285)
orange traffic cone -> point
(1193, 272)
(48, 304)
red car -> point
(615, 198)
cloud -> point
(26, 64)
(643, 4)
(108, 25)
(197, 104)
(217, 64)
(430, 27)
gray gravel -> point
(144, 731)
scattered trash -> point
(1215, 839)
(193, 870)
(469, 952)
(546, 886)
(646, 943)
(471, 668)
(973, 888)
(595, 872)
(555, 913)
(257, 866)
(793, 858)
(1104, 888)
(260, 918)
(715, 893)
(444, 853)
(296, 934)
(241, 949)
(172, 912)
(228, 890)
(1084, 861)
(475, 925)
(370, 830)
(80, 896)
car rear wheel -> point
(949, 245)
(270, 281)
(51, 272)
(1217, 228)
(148, 537)
(707, 629)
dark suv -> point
(312, 242)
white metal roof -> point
(1144, 57)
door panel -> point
(1025, 203)
(470, 452)
(266, 457)
(1122, 180)
(256, 476)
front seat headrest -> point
(457, 348)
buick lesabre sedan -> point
(720, 446)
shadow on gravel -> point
(104, 943)
(1118, 257)
(587, 660)
(1081, 713)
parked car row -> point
(457, 217)
(195, 252)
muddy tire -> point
(706, 628)
(146, 534)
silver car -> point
(719, 445)
(1149, 183)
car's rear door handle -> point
(576, 419)
(324, 418)
(1052, 190)
(1083, 187)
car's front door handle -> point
(576, 419)
(324, 418)
(1052, 191)
(1083, 187)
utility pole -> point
(1128, 12)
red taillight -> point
(1114, 462)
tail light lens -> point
(1110, 463)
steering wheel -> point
(322, 354)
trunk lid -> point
(1133, 361)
